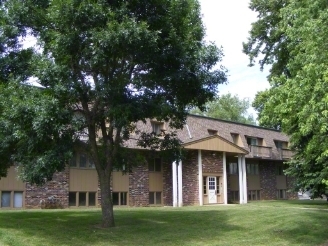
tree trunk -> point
(106, 201)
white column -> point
(243, 161)
(180, 200)
(174, 184)
(225, 181)
(200, 178)
(240, 176)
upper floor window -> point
(252, 141)
(81, 160)
(212, 132)
(233, 168)
(157, 127)
(281, 144)
(252, 168)
(155, 165)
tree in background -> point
(103, 65)
(292, 35)
(227, 107)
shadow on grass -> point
(134, 227)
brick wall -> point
(267, 172)
(167, 184)
(58, 187)
(190, 178)
(212, 162)
(139, 186)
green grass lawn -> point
(257, 223)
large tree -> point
(104, 65)
(293, 36)
(227, 107)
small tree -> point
(103, 65)
(227, 107)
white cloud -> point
(227, 24)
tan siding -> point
(155, 181)
(253, 182)
(215, 144)
(239, 142)
(83, 180)
(11, 182)
(234, 182)
(120, 181)
(281, 182)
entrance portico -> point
(211, 171)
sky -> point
(227, 24)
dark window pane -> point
(151, 198)
(72, 162)
(151, 165)
(158, 197)
(123, 198)
(82, 198)
(91, 164)
(5, 199)
(115, 198)
(72, 199)
(83, 160)
(158, 163)
(92, 198)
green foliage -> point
(104, 65)
(227, 107)
(297, 100)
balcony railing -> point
(285, 153)
(260, 151)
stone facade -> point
(57, 188)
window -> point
(217, 185)
(157, 127)
(254, 195)
(281, 194)
(120, 198)
(252, 168)
(155, 198)
(234, 195)
(18, 199)
(278, 144)
(81, 160)
(82, 198)
(212, 132)
(205, 185)
(155, 165)
(92, 198)
(280, 169)
(5, 199)
(252, 141)
(11, 199)
(233, 168)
